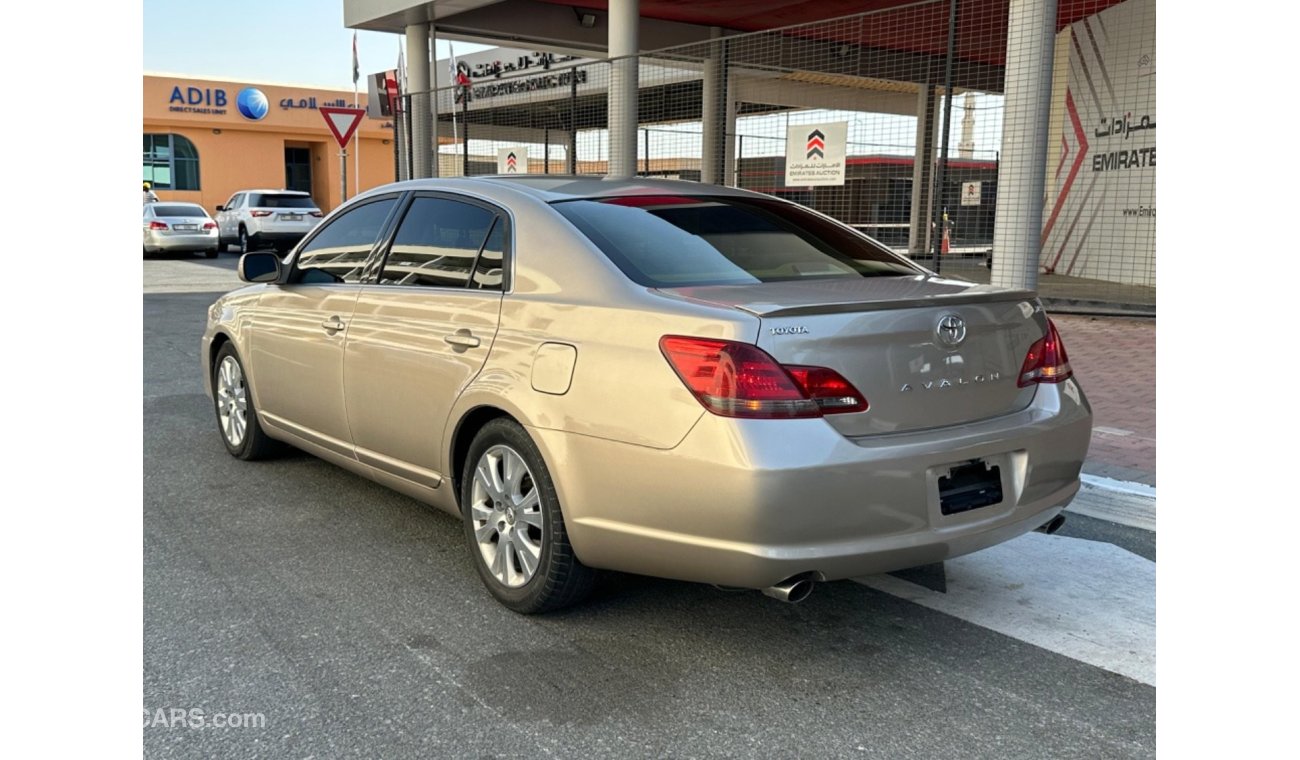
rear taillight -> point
(740, 380)
(828, 389)
(210, 225)
(316, 214)
(260, 213)
(1046, 361)
(157, 225)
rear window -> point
(178, 209)
(676, 241)
(267, 200)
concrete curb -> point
(1117, 501)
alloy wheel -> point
(505, 507)
(232, 401)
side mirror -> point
(221, 208)
(260, 266)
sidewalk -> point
(1114, 360)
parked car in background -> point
(666, 378)
(258, 219)
(179, 227)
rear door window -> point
(438, 244)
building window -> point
(171, 162)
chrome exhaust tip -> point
(1051, 526)
(791, 590)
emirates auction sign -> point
(512, 160)
(814, 154)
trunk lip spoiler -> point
(759, 309)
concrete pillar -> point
(418, 67)
(1017, 236)
(918, 233)
(713, 141)
(624, 28)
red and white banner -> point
(1099, 218)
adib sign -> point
(205, 100)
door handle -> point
(333, 325)
(462, 339)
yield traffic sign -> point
(342, 122)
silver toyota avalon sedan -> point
(667, 378)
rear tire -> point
(245, 242)
(237, 420)
(514, 525)
(212, 253)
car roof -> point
(274, 192)
(559, 187)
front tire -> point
(514, 525)
(237, 420)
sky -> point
(300, 42)
(304, 42)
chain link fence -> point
(891, 121)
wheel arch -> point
(219, 339)
(463, 436)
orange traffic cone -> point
(944, 247)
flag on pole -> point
(356, 64)
(459, 75)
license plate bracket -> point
(292, 217)
(968, 486)
(186, 227)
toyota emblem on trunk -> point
(951, 330)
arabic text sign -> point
(815, 154)
(512, 160)
(970, 193)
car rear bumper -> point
(753, 502)
(199, 241)
(280, 236)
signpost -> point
(342, 123)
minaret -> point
(966, 148)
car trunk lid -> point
(884, 335)
(183, 225)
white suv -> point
(255, 219)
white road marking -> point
(1132, 504)
(1111, 430)
(1087, 600)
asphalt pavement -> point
(347, 620)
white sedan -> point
(179, 227)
